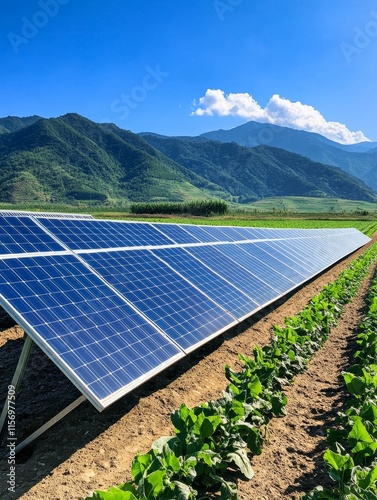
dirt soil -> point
(88, 450)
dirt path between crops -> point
(88, 450)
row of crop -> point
(352, 454)
(210, 448)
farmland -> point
(87, 450)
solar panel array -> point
(113, 303)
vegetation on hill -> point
(14, 123)
(359, 160)
(70, 159)
(250, 174)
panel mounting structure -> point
(113, 303)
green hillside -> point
(250, 174)
(359, 160)
(14, 123)
(70, 159)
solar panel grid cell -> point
(166, 298)
(84, 234)
(278, 264)
(50, 215)
(221, 291)
(22, 235)
(257, 267)
(84, 323)
(176, 233)
(277, 250)
(254, 287)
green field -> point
(303, 205)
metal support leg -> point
(17, 378)
(50, 423)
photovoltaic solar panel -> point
(102, 344)
(221, 291)
(304, 266)
(202, 234)
(22, 235)
(176, 233)
(224, 233)
(168, 300)
(115, 302)
(279, 281)
(253, 286)
(84, 234)
(286, 269)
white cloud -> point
(278, 111)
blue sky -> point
(187, 67)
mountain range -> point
(359, 160)
(72, 158)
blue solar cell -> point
(255, 288)
(312, 257)
(176, 233)
(262, 270)
(279, 251)
(94, 234)
(286, 269)
(221, 291)
(23, 235)
(201, 233)
(224, 233)
(182, 311)
(101, 343)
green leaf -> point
(114, 493)
(164, 441)
(369, 479)
(255, 441)
(355, 385)
(254, 386)
(182, 491)
(209, 457)
(321, 494)
(240, 458)
(359, 434)
(369, 413)
(139, 464)
(154, 482)
(179, 417)
(340, 465)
